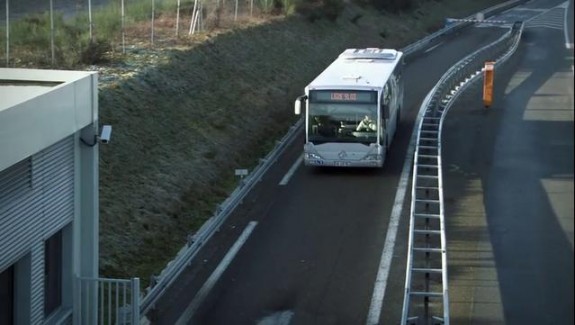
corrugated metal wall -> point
(36, 200)
(37, 283)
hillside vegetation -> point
(184, 123)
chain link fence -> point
(65, 33)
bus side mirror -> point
(297, 108)
(298, 103)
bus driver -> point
(367, 124)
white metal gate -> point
(107, 301)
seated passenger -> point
(367, 125)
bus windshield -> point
(338, 122)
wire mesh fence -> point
(68, 32)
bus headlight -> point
(313, 156)
(372, 157)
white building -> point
(48, 193)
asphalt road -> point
(314, 254)
(510, 194)
(312, 257)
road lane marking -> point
(278, 318)
(432, 48)
(565, 6)
(387, 254)
(389, 245)
(292, 170)
(215, 276)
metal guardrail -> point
(432, 39)
(426, 271)
(195, 242)
(159, 284)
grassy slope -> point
(182, 127)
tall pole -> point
(178, 19)
(7, 33)
(52, 30)
(90, 17)
(192, 22)
(153, 14)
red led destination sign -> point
(343, 96)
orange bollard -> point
(488, 83)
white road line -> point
(387, 253)
(290, 172)
(568, 45)
(432, 48)
(215, 276)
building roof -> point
(364, 68)
(20, 85)
(40, 107)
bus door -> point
(385, 111)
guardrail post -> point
(135, 301)
(488, 83)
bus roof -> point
(358, 68)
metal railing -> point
(186, 254)
(107, 301)
(434, 38)
(426, 279)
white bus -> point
(352, 109)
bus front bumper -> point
(342, 163)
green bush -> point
(266, 6)
(33, 31)
(95, 52)
(32, 42)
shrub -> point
(95, 52)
